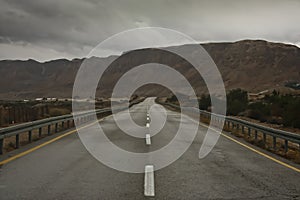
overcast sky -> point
(49, 29)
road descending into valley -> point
(64, 169)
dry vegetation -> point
(293, 152)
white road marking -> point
(148, 118)
(149, 181)
(147, 125)
(148, 139)
(147, 114)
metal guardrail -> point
(81, 117)
(39, 124)
(235, 123)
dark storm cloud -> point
(47, 29)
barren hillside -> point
(253, 65)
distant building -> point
(257, 96)
(51, 99)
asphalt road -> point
(65, 170)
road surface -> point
(65, 170)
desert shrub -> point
(259, 111)
(173, 99)
(291, 114)
(204, 102)
(237, 101)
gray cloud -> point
(48, 29)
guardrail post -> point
(243, 131)
(63, 124)
(68, 123)
(49, 129)
(1, 146)
(255, 135)
(274, 142)
(56, 127)
(40, 132)
(17, 141)
(249, 131)
(286, 146)
(29, 136)
(265, 137)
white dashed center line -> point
(149, 181)
(148, 139)
(149, 169)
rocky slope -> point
(253, 65)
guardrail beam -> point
(28, 127)
(235, 123)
